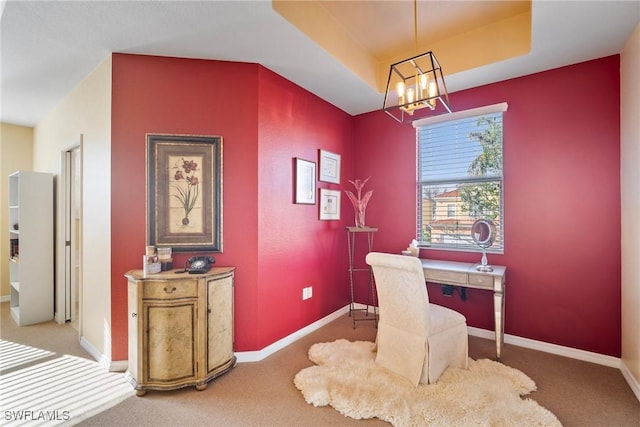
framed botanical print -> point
(184, 192)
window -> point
(451, 210)
(459, 177)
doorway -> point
(71, 186)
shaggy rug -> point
(487, 394)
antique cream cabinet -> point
(180, 328)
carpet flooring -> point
(262, 393)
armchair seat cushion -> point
(443, 318)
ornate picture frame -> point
(184, 192)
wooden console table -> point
(465, 275)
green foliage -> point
(483, 199)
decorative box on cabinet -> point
(180, 328)
(31, 247)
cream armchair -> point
(416, 339)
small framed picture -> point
(329, 204)
(329, 167)
(305, 185)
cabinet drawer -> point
(439, 276)
(482, 280)
(169, 289)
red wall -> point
(295, 248)
(562, 194)
(265, 121)
(562, 203)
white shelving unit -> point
(31, 252)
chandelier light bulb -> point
(410, 95)
(400, 91)
(433, 92)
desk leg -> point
(498, 311)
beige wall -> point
(85, 114)
(630, 189)
(16, 153)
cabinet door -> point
(219, 321)
(133, 352)
(170, 341)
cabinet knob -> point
(134, 314)
(170, 290)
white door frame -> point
(67, 263)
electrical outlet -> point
(307, 292)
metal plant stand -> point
(352, 233)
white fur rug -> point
(487, 394)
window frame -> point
(456, 181)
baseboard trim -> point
(573, 353)
(631, 380)
(118, 365)
(256, 356)
(93, 352)
(103, 360)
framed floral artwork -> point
(329, 204)
(329, 167)
(184, 192)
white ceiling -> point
(48, 47)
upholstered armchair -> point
(416, 339)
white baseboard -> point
(573, 353)
(256, 356)
(631, 380)
(92, 351)
(5, 298)
(103, 360)
(118, 365)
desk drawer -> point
(439, 276)
(170, 289)
(482, 280)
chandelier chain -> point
(415, 25)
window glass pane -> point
(460, 180)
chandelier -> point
(415, 83)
